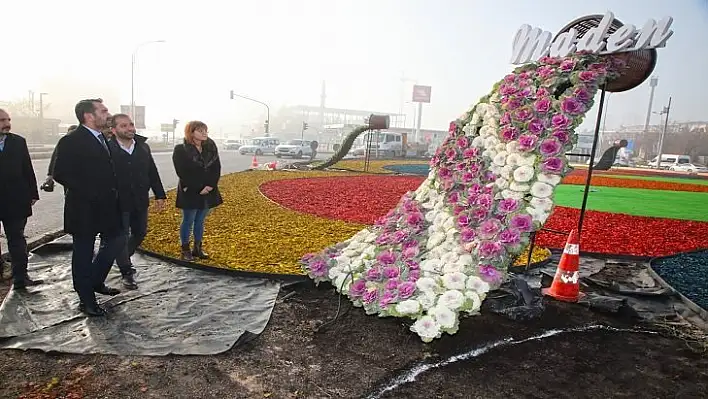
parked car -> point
(670, 160)
(690, 168)
(294, 148)
(232, 144)
(260, 146)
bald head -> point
(5, 120)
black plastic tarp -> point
(176, 310)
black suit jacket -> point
(18, 184)
(137, 174)
(85, 169)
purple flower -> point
(510, 78)
(357, 288)
(406, 289)
(470, 152)
(463, 142)
(318, 268)
(444, 173)
(373, 274)
(506, 90)
(387, 257)
(479, 214)
(587, 76)
(387, 298)
(545, 71)
(567, 65)
(452, 128)
(505, 119)
(550, 146)
(398, 237)
(560, 121)
(527, 142)
(391, 272)
(392, 284)
(412, 265)
(410, 252)
(523, 114)
(512, 104)
(542, 92)
(453, 197)
(484, 200)
(562, 136)
(475, 189)
(463, 220)
(582, 95)
(522, 222)
(467, 234)
(450, 153)
(510, 237)
(526, 75)
(508, 205)
(552, 165)
(509, 133)
(414, 218)
(572, 106)
(457, 209)
(370, 295)
(536, 126)
(410, 244)
(383, 239)
(468, 177)
(542, 105)
(489, 228)
(413, 275)
(460, 167)
(490, 249)
(489, 274)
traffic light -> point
(174, 123)
(304, 125)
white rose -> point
(427, 299)
(434, 240)
(522, 188)
(553, 180)
(524, 173)
(500, 159)
(542, 203)
(512, 194)
(500, 147)
(478, 141)
(485, 131)
(538, 214)
(453, 268)
(408, 307)
(452, 299)
(427, 284)
(444, 317)
(476, 301)
(430, 265)
(449, 223)
(454, 281)
(476, 284)
(512, 147)
(541, 190)
(449, 257)
(502, 183)
(527, 160)
(334, 272)
(430, 216)
(491, 142)
(489, 153)
(507, 170)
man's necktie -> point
(103, 142)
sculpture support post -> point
(592, 161)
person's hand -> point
(204, 191)
(34, 201)
(209, 188)
(160, 205)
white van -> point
(389, 144)
(259, 146)
(670, 160)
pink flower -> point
(463, 220)
(387, 257)
(406, 289)
(510, 237)
(587, 76)
(383, 238)
(453, 127)
(582, 95)
(567, 65)
(510, 78)
(522, 222)
(410, 244)
(468, 177)
(572, 106)
(457, 209)
(542, 105)
(370, 295)
(536, 126)
(489, 274)
(470, 152)
(400, 235)
(550, 146)
(410, 252)
(526, 75)
(450, 153)
(552, 165)
(527, 142)
(545, 71)
(505, 119)
(512, 104)
(490, 249)
(414, 218)
(560, 121)
(391, 272)
(453, 197)
(318, 268)
(467, 234)
(509, 133)
(523, 114)
(373, 274)
(542, 92)
(463, 142)
(391, 284)
(413, 275)
(489, 228)
(358, 287)
(508, 205)
(484, 200)
(562, 136)
(507, 89)
(479, 214)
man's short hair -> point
(72, 128)
(86, 107)
(112, 121)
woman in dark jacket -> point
(198, 167)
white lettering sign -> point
(531, 43)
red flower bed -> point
(636, 172)
(579, 179)
(363, 199)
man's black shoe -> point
(106, 290)
(129, 282)
(26, 282)
(93, 310)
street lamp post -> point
(132, 75)
(665, 111)
(41, 113)
(267, 122)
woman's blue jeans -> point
(192, 220)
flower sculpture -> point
(437, 254)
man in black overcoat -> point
(18, 193)
(84, 166)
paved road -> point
(49, 211)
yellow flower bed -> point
(249, 232)
(540, 254)
(376, 166)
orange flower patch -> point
(579, 179)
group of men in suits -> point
(106, 183)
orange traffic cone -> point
(566, 283)
(254, 162)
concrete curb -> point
(32, 244)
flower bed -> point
(343, 198)
(249, 232)
(642, 172)
(607, 181)
(375, 166)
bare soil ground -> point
(359, 354)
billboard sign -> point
(421, 94)
(138, 118)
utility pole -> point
(665, 111)
(41, 113)
(652, 83)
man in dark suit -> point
(84, 166)
(48, 184)
(18, 186)
(137, 174)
